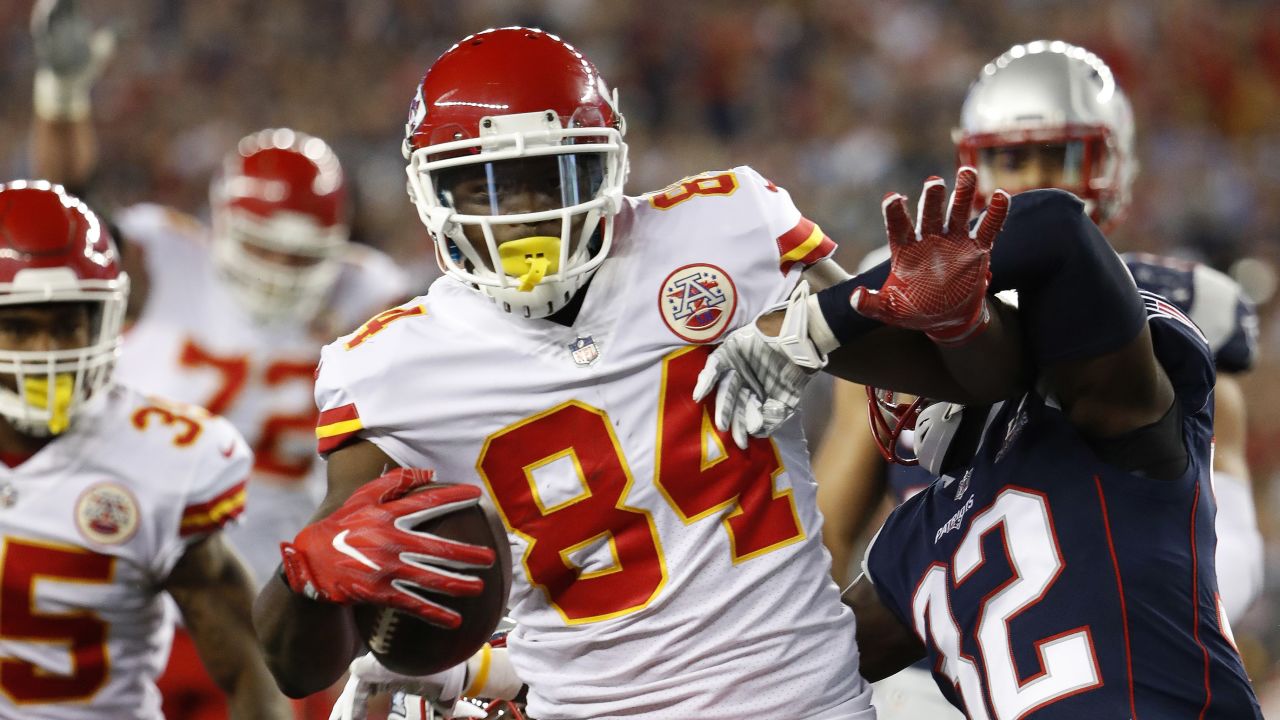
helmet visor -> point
(521, 186)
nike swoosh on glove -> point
(367, 551)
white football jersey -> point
(194, 342)
(92, 526)
(659, 571)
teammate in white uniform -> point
(233, 318)
(229, 317)
(108, 498)
(662, 568)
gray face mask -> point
(936, 430)
(948, 435)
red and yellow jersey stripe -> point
(805, 244)
(213, 514)
(336, 427)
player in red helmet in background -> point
(108, 498)
(235, 315)
(229, 316)
(666, 569)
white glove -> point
(369, 678)
(759, 378)
(70, 54)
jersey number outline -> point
(709, 184)
(233, 373)
(697, 480)
(83, 633)
(1068, 661)
(185, 419)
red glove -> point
(365, 553)
(939, 273)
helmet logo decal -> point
(107, 514)
(417, 113)
(697, 302)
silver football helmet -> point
(1050, 94)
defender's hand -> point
(70, 54)
(939, 272)
(759, 376)
(367, 552)
(369, 678)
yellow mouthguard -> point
(36, 390)
(530, 259)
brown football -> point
(411, 646)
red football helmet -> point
(54, 249)
(279, 219)
(516, 112)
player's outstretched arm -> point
(356, 551)
(1082, 320)
(215, 594)
(70, 54)
(931, 301)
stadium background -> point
(837, 100)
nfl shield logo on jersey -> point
(107, 514)
(697, 302)
(584, 351)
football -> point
(408, 645)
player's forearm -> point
(307, 644)
(992, 366)
(905, 360)
(64, 151)
(254, 695)
(1075, 296)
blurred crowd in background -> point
(839, 101)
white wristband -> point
(60, 99)
(491, 676)
(819, 331)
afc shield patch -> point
(697, 302)
(107, 514)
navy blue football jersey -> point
(1049, 585)
(1213, 301)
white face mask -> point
(51, 386)
(533, 276)
(273, 291)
